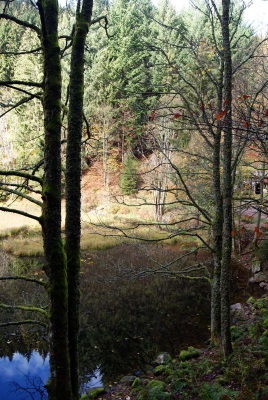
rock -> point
(162, 358)
(128, 379)
(264, 285)
(256, 266)
(236, 307)
(260, 277)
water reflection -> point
(23, 378)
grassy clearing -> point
(25, 241)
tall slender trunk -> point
(73, 184)
(59, 385)
(227, 184)
(217, 245)
(217, 225)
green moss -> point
(237, 332)
(94, 393)
(160, 369)
(154, 383)
(155, 390)
(190, 353)
(49, 191)
(261, 303)
(136, 383)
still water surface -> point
(23, 378)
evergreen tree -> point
(129, 180)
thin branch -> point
(25, 308)
(25, 322)
(24, 83)
(20, 194)
(17, 185)
(25, 214)
(22, 175)
(22, 278)
(21, 23)
(19, 53)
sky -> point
(256, 14)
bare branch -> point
(21, 23)
(25, 214)
(20, 194)
(25, 322)
(25, 308)
(22, 278)
(24, 83)
(22, 175)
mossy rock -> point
(261, 303)
(155, 390)
(157, 394)
(160, 369)
(251, 300)
(154, 383)
(179, 384)
(94, 393)
(136, 383)
(190, 353)
(236, 332)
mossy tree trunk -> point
(217, 244)
(217, 224)
(59, 387)
(227, 184)
(73, 186)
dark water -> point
(23, 378)
(125, 321)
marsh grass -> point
(98, 242)
(27, 241)
(23, 246)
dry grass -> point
(24, 246)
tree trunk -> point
(59, 385)
(227, 185)
(217, 226)
(73, 184)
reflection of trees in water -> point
(21, 338)
(33, 388)
(127, 317)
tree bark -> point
(227, 184)
(217, 225)
(59, 386)
(73, 184)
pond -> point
(24, 378)
(127, 317)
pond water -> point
(24, 378)
(123, 326)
